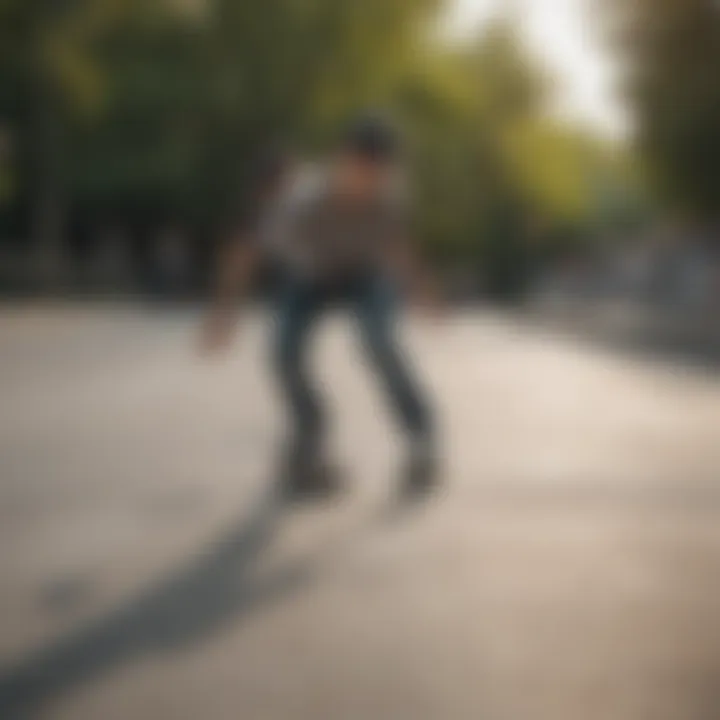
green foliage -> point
(145, 113)
(672, 50)
(498, 179)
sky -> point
(564, 34)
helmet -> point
(373, 137)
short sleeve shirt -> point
(312, 234)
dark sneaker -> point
(307, 482)
(421, 476)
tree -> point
(672, 53)
(461, 104)
(142, 114)
(51, 78)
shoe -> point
(311, 481)
(421, 476)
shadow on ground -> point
(218, 587)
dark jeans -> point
(373, 301)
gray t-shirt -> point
(312, 235)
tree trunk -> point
(48, 202)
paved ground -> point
(571, 571)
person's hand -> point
(215, 336)
(429, 304)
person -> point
(340, 234)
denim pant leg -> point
(376, 308)
(298, 311)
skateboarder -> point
(339, 234)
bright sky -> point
(565, 36)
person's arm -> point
(237, 265)
(406, 261)
(412, 272)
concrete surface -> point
(571, 570)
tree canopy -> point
(140, 114)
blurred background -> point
(566, 169)
(552, 141)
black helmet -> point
(373, 137)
